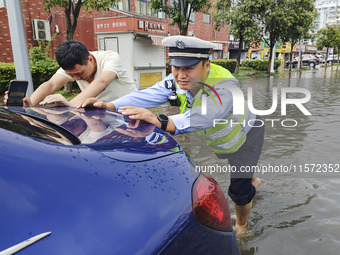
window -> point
(192, 17)
(123, 5)
(142, 7)
(206, 18)
(161, 15)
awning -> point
(156, 39)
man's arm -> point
(97, 86)
(56, 82)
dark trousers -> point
(241, 190)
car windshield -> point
(27, 126)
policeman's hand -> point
(138, 113)
(56, 100)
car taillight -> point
(210, 205)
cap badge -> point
(180, 44)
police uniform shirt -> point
(190, 121)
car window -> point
(27, 126)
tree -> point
(337, 41)
(273, 15)
(72, 10)
(326, 38)
(243, 23)
(180, 11)
(299, 22)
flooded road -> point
(293, 212)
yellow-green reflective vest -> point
(223, 138)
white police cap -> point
(187, 50)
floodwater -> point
(294, 212)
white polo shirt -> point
(108, 60)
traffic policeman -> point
(192, 77)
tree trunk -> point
(183, 30)
(271, 55)
(239, 55)
(291, 57)
(69, 35)
(68, 87)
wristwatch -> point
(164, 121)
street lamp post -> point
(19, 43)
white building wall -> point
(137, 53)
(121, 43)
(148, 58)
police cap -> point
(187, 50)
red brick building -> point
(201, 26)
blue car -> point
(94, 182)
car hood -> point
(110, 133)
(90, 203)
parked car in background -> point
(331, 58)
(307, 60)
(94, 182)
(319, 57)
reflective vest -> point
(223, 138)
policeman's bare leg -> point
(242, 212)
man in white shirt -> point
(98, 74)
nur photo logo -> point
(220, 93)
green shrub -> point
(40, 73)
(229, 64)
(43, 71)
(42, 67)
(260, 64)
(7, 73)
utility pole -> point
(19, 43)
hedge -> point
(229, 64)
(41, 72)
(7, 73)
(260, 64)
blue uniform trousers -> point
(241, 190)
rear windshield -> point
(27, 126)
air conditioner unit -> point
(41, 30)
(2, 4)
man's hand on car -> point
(56, 100)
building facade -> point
(328, 13)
